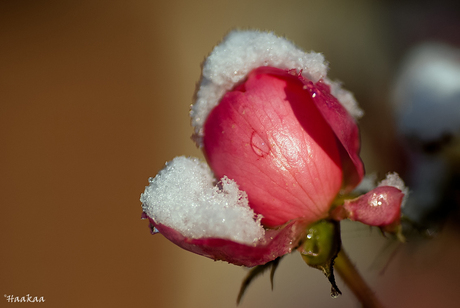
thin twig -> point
(350, 275)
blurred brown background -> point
(94, 98)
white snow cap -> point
(183, 197)
(243, 51)
(394, 180)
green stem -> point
(350, 275)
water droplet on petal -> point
(377, 199)
(311, 88)
(259, 145)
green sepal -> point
(257, 271)
(320, 248)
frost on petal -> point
(275, 243)
(243, 51)
(239, 53)
(184, 197)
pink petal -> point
(276, 243)
(379, 207)
(344, 127)
(268, 136)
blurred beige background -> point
(94, 98)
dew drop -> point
(153, 230)
(311, 88)
(335, 293)
(377, 200)
(259, 145)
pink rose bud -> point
(380, 207)
(266, 117)
(268, 135)
(281, 142)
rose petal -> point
(344, 127)
(379, 207)
(268, 136)
(276, 243)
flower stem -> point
(348, 272)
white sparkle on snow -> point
(243, 51)
(183, 197)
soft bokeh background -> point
(94, 98)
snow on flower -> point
(281, 142)
(212, 211)
(380, 207)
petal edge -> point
(276, 243)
